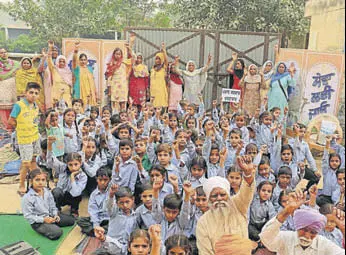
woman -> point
(175, 88)
(8, 97)
(194, 79)
(236, 70)
(139, 81)
(158, 86)
(251, 84)
(117, 76)
(268, 71)
(61, 77)
(281, 80)
(84, 86)
(28, 73)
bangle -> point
(247, 176)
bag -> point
(19, 248)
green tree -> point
(285, 16)
(52, 19)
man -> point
(305, 241)
(227, 215)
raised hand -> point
(100, 233)
(209, 58)
(114, 189)
(51, 139)
(188, 189)
(292, 69)
(246, 165)
(235, 55)
(155, 233)
(163, 46)
(296, 200)
(173, 179)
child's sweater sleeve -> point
(157, 211)
(28, 212)
(151, 153)
(78, 185)
(54, 163)
(184, 216)
(113, 143)
(111, 207)
(91, 169)
(201, 110)
(133, 178)
(206, 149)
(275, 162)
(53, 210)
(325, 162)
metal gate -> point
(254, 48)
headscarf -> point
(216, 182)
(187, 72)
(237, 72)
(7, 68)
(268, 76)
(162, 58)
(309, 218)
(141, 70)
(256, 78)
(65, 72)
(278, 76)
(114, 65)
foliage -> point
(286, 16)
(23, 44)
(51, 19)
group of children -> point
(142, 167)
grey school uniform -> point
(91, 166)
(302, 151)
(178, 226)
(263, 134)
(145, 218)
(120, 228)
(96, 208)
(335, 236)
(127, 176)
(72, 144)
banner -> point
(318, 77)
(99, 53)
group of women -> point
(129, 79)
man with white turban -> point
(305, 241)
(227, 217)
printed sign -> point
(231, 95)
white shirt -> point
(287, 242)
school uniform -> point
(127, 176)
(263, 134)
(173, 228)
(72, 144)
(36, 207)
(98, 215)
(339, 149)
(260, 178)
(335, 236)
(302, 151)
(67, 192)
(260, 214)
(145, 218)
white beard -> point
(304, 242)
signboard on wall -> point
(318, 82)
(99, 53)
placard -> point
(231, 95)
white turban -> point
(216, 182)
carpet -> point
(15, 228)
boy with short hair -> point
(175, 214)
(284, 182)
(125, 170)
(98, 215)
(24, 118)
(77, 106)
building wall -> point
(327, 31)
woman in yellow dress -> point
(28, 73)
(61, 77)
(158, 85)
(84, 87)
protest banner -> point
(231, 95)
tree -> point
(285, 16)
(51, 19)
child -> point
(72, 134)
(141, 152)
(330, 165)
(239, 121)
(39, 208)
(91, 162)
(261, 209)
(331, 230)
(72, 180)
(199, 145)
(264, 171)
(170, 127)
(98, 216)
(197, 175)
(263, 130)
(141, 242)
(125, 170)
(184, 148)
(234, 146)
(301, 148)
(251, 150)
(178, 244)
(159, 175)
(54, 129)
(234, 177)
(288, 225)
(144, 214)
(252, 135)
(77, 106)
(174, 216)
(338, 195)
(283, 183)
(122, 221)
(24, 118)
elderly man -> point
(305, 241)
(227, 215)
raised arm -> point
(205, 69)
(165, 57)
(75, 55)
(231, 65)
